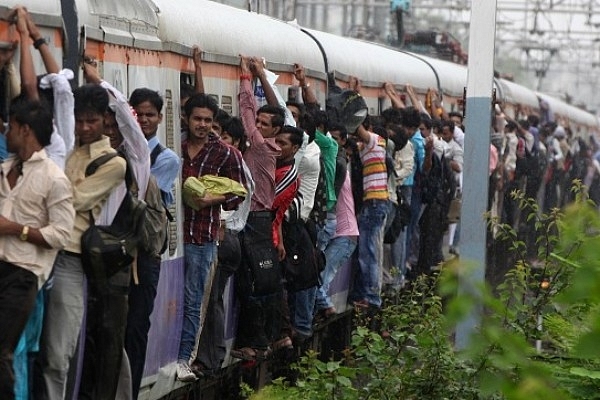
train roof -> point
(452, 77)
(373, 63)
(46, 13)
(575, 114)
(228, 31)
(517, 94)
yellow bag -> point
(198, 187)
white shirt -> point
(136, 147)
(308, 171)
(41, 199)
(236, 220)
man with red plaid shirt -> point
(203, 154)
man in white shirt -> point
(36, 218)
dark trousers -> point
(105, 335)
(141, 304)
(18, 289)
(260, 316)
(212, 349)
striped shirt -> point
(374, 169)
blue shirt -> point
(419, 145)
(165, 170)
(3, 151)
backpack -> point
(154, 232)
(107, 249)
(439, 185)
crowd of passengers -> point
(305, 195)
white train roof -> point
(517, 94)
(453, 77)
(575, 114)
(224, 30)
(45, 13)
(373, 63)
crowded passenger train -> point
(186, 186)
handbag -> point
(454, 209)
(107, 249)
(303, 262)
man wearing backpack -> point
(164, 168)
(66, 298)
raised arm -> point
(354, 84)
(28, 78)
(257, 69)
(391, 93)
(308, 95)
(247, 103)
(199, 81)
(40, 43)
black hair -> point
(533, 120)
(392, 116)
(201, 100)
(524, 124)
(410, 117)
(90, 98)
(186, 90)
(321, 119)
(278, 114)
(449, 124)
(399, 137)
(510, 126)
(307, 122)
(295, 135)
(36, 115)
(141, 95)
(341, 129)
(222, 117)
(299, 106)
(235, 128)
(428, 122)
(455, 114)
(381, 131)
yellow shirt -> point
(90, 193)
(41, 199)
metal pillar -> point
(477, 153)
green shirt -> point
(329, 149)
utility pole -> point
(477, 153)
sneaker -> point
(185, 373)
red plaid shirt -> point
(215, 158)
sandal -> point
(283, 343)
(245, 353)
(263, 354)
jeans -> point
(18, 289)
(325, 234)
(199, 259)
(62, 323)
(338, 252)
(302, 305)
(371, 223)
(141, 304)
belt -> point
(261, 214)
(69, 253)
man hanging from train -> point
(203, 154)
(164, 166)
(36, 218)
(258, 281)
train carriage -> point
(148, 43)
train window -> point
(170, 143)
(227, 104)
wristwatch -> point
(306, 85)
(24, 233)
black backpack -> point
(107, 249)
(439, 185)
